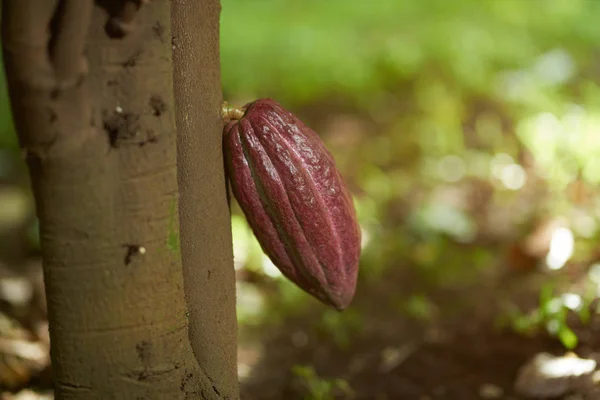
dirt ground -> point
(460, 355)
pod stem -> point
(231, 113)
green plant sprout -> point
(341, 327)
(320, 388)
(552, 315)
(420, 307)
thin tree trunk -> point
(204, 214)
(101, 150)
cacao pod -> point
(295, 200)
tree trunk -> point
(206, 245)
(100, 142)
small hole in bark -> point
(115, 28)
(151, 139)
(133, 250)
(55, 94)
(158, 105)
(80, 80)
(121, 126)
(53, 117)
(132, 61)
(185, 380)
(158, 30)
(143, 350)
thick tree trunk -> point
(204, 214)
(101, 149)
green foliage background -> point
(422, 102)
(301, 51)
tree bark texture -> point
(99, 135)
(206, 245)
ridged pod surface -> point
(295, 200)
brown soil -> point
(452, 357)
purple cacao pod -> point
(295, 200)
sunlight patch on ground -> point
(28, 395)
(548, 376)
(566, 366)
(572, 301)
(17, 290)
(562, 245)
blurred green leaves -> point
(565, 145)
(318, 388)
(552, 314)
(297, 52)
(340, 327)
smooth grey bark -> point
(205, 224)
